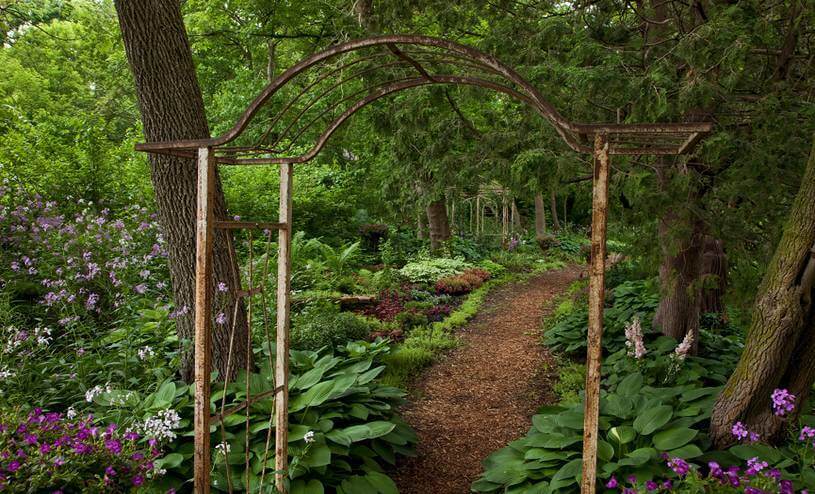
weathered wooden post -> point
(594, 350)
(203, 325)
(282, 353)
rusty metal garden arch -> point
(291, 121)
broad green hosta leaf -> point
(673, 438)
(651, 420)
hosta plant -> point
(344, 430)
(638, 423)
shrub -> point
(390, 304)
(462, 283)
(492, 267)
(322, 325)
(411, 319)
(49, 452)
(431, 270)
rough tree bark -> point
(682, 241)
(553, 204)
(172, 108)
(780, 347)
(540, 217)
(438, 224)
(714, 277)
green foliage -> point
(430, 270)
(637, 424)
(571, 380)
(629, 299)
(323, 325)
(335, 397)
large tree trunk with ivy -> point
(438, 224)
(172, 108)
(780, 347)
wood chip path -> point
(484, 393)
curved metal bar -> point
(399, 86)
(547, 110)
(439, 57)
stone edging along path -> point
(483, 394)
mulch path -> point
(484, 393)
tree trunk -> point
(553, 204)
(172, 108)
(438, 224)
(682, 241)
(714, 277)
(420, 226)
(540, 216)
(516, 217)
(780, 347)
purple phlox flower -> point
(783, 402)
(807, 432)
(30, 439)
(59, 461)
(110, 471)
(739, 431)
(131, 436)
(755, 465)
(45, 448)
(632, 479)
(754, 437)
(629, 490)
(141, 288)
(774, 474)
(222, 286)
(612, 483)
(715, 470)
(138, 480)
(93, 299)
(220, 318)
(651, 485)
(236, 217)
(137, 456)
(13, 466)
(679, 466)
(144, 273)
(785, 487)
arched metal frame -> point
(291, 121)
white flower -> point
(222, 448)
(71, 413)
(43, 336)
(683, 348)
(309, 437)
(95, 391)
(5, 373)
(161, 426)
(633, 339)
(146, 352)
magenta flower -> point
(807, 432)
(679, 466)
(138, 480)
(783, 402)
(651, 485)
(220, 318)
(612, 483)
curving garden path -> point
(482, 395)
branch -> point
(467, 123)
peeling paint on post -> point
(282, 352)
(203, 338)
(594, 352)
